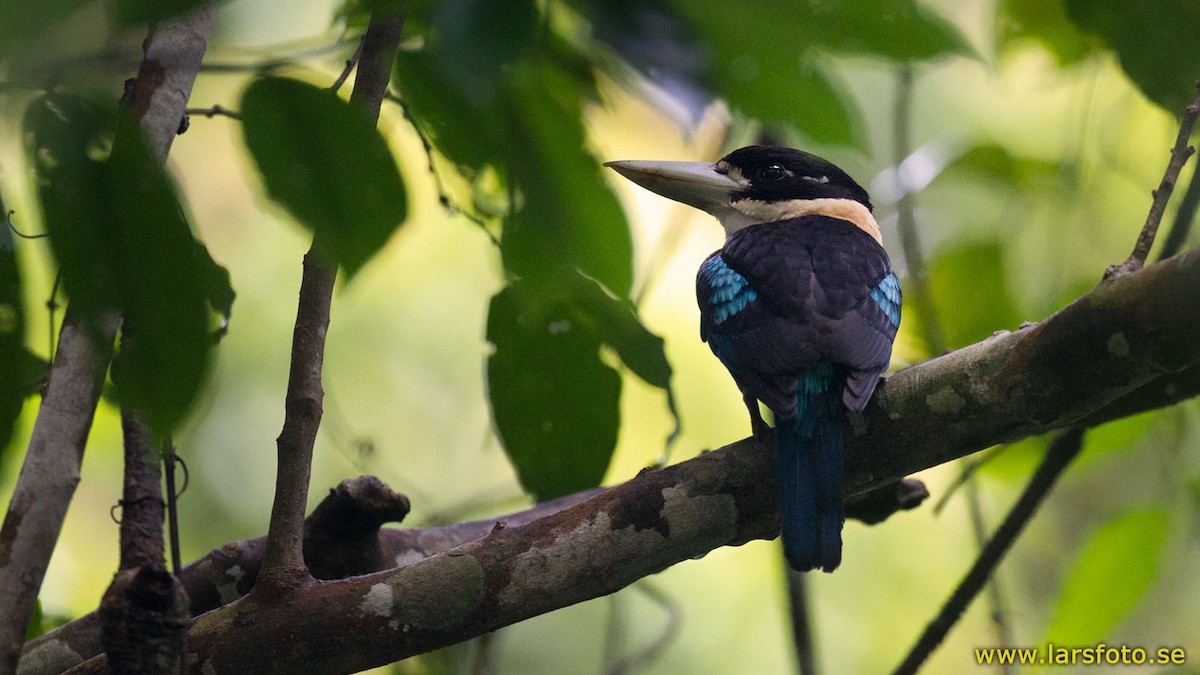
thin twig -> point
(172, 498)
(13, 228)
(670, 630)
(966, 470)
(52, 309)
(1179, 156)
(51, 304)
(142, 503)
(350, 63)
(1184, 217)
(444, 197)
(215, 110)
(1063, 449)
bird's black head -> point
(758, 184)
(777, 174)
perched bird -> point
(800, 305)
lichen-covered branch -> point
(1113, 343)
(229, 572)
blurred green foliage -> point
(122, 244)
(968, 283)
(1154, 41)
(1112, 573)
(341, 182)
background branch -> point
(1184, 217)
(921, 304)
(1064, 449)
(920, 299)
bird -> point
(801, 305)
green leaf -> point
(327, 165)
(453, 85)
(164, 348)
(548, 339)
(26, 23)
(766, 61)
(1155, 42)
(1045, 21)
(995, 163)
(468, 133)
(216, 285)
(616, 321)
(12, 333)
(1111, 575)
(658, 44)
(554, 402)
(477, 41)
(898, 30)
(568, 216)
(969, 287)
(69, 139)
(354, 15)
(122, 244)
(762, 63)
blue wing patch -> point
(887, 296)
(728, 291)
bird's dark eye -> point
(770, 173)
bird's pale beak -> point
(696, 184)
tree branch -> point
(172, 57)
(50, 472)
(144, 612)
(51, 469)
(141, 499)
(283, 565)
(230, 572)
(1116, 341)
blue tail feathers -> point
(810, 473)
